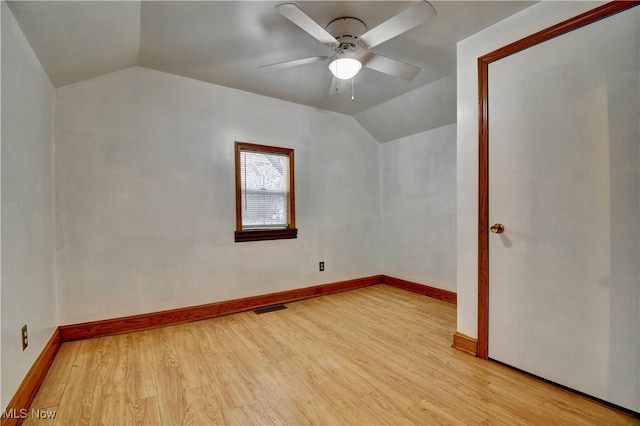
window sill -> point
(265, 234)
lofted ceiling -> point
(226, 42)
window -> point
(265, 207)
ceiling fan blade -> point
(404, 21)
(294, 63)
(392, 67)
(301, 19)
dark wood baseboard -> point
(32, 381)
(464, 343)
(128, 324)
(436, 293)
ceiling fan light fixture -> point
(345, 68)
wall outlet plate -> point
(25, 337)
(321, 266)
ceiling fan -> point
(351, 42)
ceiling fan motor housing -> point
(347, 31)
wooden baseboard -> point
(27, 390)
(128, 324)
(465, 343)
(436, 293)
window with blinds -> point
(264, 193)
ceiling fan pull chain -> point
(353, 92)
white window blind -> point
(264, 180)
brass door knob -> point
(498, 228)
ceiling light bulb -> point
(345, 68)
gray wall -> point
(418, 185)
(28, 232)
(145, 204)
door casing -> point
(564, 27)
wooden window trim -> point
(265, 234)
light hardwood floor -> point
(376, 355)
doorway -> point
(558, 284)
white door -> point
(564, 181)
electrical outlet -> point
(321, 266)
(25, 337)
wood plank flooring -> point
(376, 355)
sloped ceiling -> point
(76, 41)
(225, 42)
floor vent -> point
(271, 308)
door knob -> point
(497, 228)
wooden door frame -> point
(564, 27)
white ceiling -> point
(225, 42)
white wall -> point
(145, 204)
(28, 231)
(418, 185)
(529, 21)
